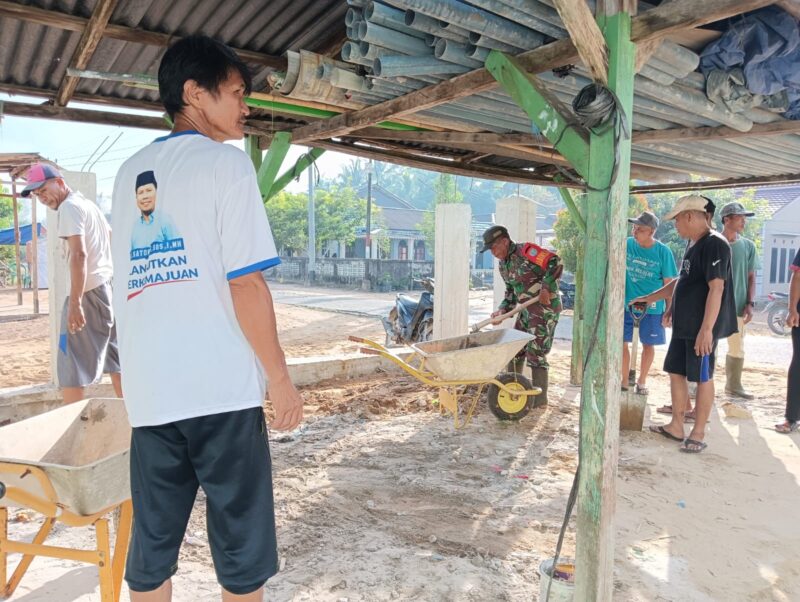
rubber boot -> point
(733, 377)
(517, 365)
(540, 379)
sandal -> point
(689, 416)
(667, 409)
(692, 446)
(643, 390)
(787, 427)
(660, 430)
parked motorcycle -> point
(777, 310)
(411, 320)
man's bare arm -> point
(665, 292)
(77, 275)
(255, 313)
(705, 338)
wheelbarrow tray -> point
(479, 356)
(83, 449)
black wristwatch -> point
(751, 303)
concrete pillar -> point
(451, 268)
(86, 184)
(518, 214)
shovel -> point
(483, 323)
(638, 311)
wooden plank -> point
(604, 286)
(790, 6)
(443, 166)
(52, 18)
(131, 103)
(544, 109)
(668, 18)
(92, 34)
(586, 35)
(454, 137)
(17, 256)
(775, 128)
(793, 178)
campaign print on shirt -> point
(157, 250)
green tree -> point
(288, 217)
(568, 240)
(445, 191)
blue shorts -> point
(651, 332)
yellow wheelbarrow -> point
(455, 364)
(68, 465)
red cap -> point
(38, 174)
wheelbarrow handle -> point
(477, 326)
(637, 311)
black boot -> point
(540, 379)
(517, 365)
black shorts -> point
(228, 456)
(681, 359)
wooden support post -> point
(290, 174)
(451, 268)
(253, 149)
(576, 359)
(603, 295)
(15, 202)
(33, 260)
(268, 170)
(543, 108)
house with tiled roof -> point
(780, 237)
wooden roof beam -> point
(701, 134)
(662, 20)
(454, 137)
(52, 18)
(92, 34)
(586, 35)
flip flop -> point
(689, 416)
(660, 430)
(667, 409)
(641, 389)
(785, 430)
(698, 446)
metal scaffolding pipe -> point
(475, 19)
(380, 14)
(391, 39)
(674, 54)
(352, 14)
(477, 53)
(397, 65)
(525, 17)
(432, 27)
(485, 41)
(657, 76)
(454, 52)
(540, 10)
(357, 3)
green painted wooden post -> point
(543, 108)
(268, 171)
(290, 174)
(604, 290)
(253, 150)
(576, 359)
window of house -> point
(773, 266)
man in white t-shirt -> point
(87, 344)
(197, 331)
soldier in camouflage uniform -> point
(528, 270)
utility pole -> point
(368, 238)
(312, 229)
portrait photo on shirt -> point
(153, 226)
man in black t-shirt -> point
(703, 311)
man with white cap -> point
(649, 266)
(703, 312)
(87, 345)
(743, 263)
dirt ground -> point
(379, 498)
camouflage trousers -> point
(540, 321)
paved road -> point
(766, 349)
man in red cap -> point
(87, 345)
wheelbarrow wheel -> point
(508, 406)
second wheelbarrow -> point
(456, 365)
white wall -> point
(781, 240)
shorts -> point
(651, 332)
(681, 359)
(85, 355)
(226, 454)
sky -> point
(71, 145)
